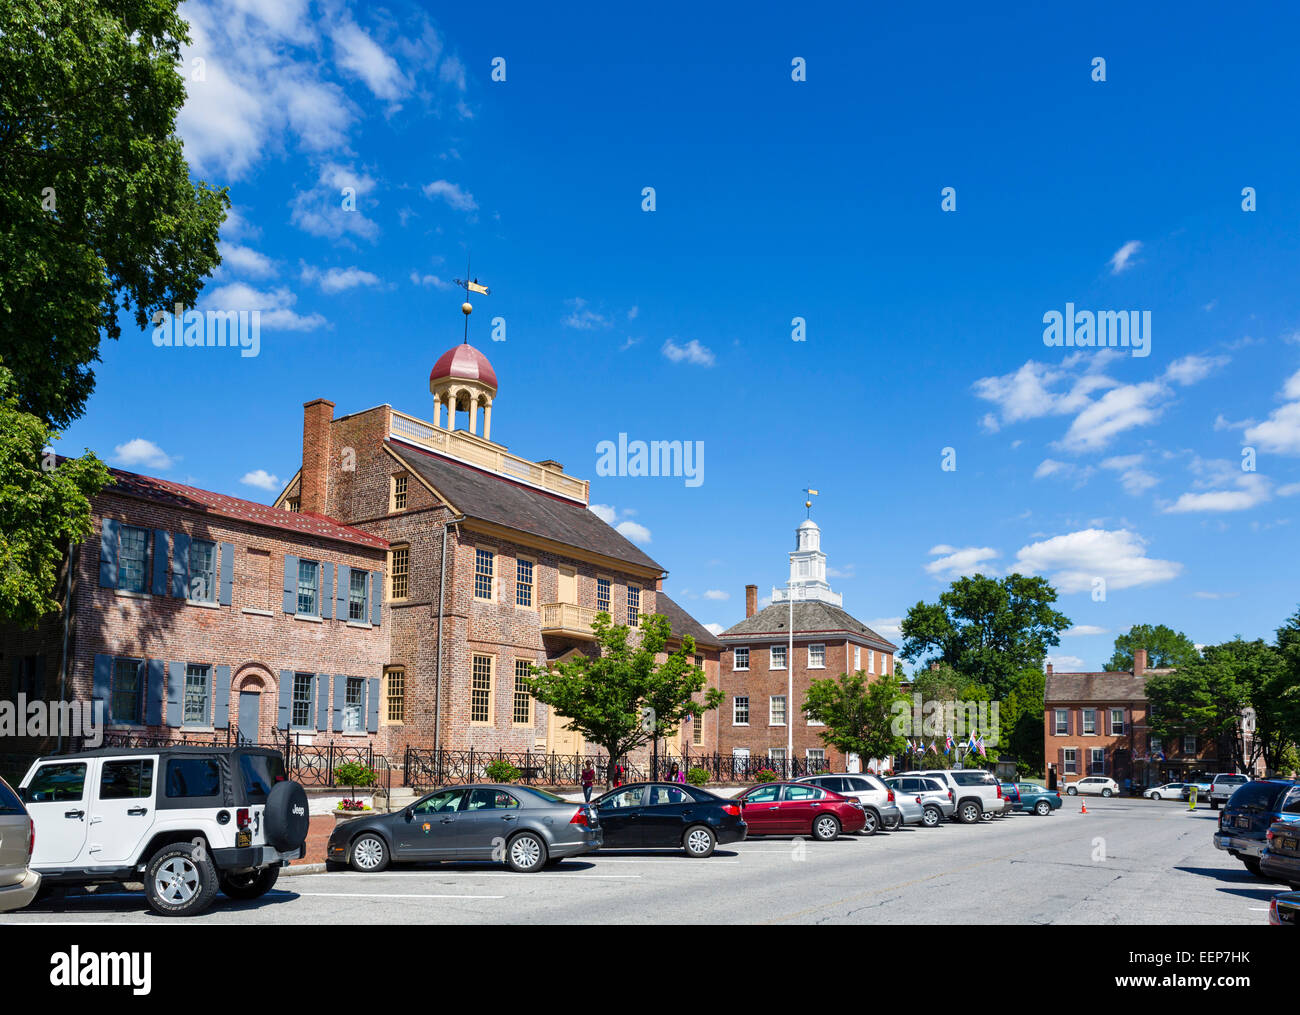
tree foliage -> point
(858, 713)
(623, 698)
(44, 506)
(1165, 647)
(98, 214)
(987, 629)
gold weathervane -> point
(470, 286)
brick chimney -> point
(1049, 669)
(751, 600)
(317, 417)
(659, 584)
(1139, 661)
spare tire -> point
(286, 816)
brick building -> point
(191, 612)
(1096, 724)
(495, 564)
(756, 661)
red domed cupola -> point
(464, 363)
(463, 381)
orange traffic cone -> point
(1084, 809)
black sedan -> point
(527, 829)
(668, 815)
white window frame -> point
(1060, 722)
(1192, 738)
(771, 710)
(821, 665)
(1071, 761)
(771, 653)
(871, 660)
(735, 710)
(1116, 728)
(857, 658)
(1084, 721)
(210, 590)
(735, 658)
(1097, 760)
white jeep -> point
(185, 821)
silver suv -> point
(876, 798)
(937, 799)
(185, 821)
(976, 793)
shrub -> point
(697, 776)
(765, 775)
(501, 771)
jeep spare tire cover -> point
(286, 816)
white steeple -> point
(807, 569)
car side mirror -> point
(409, 813)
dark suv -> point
(185, 821)
(1248, 814)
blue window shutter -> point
(175, 692)
(290, 583)
(340, 697)
(103, 684)
(108, 554)
(376, 597)
(372, 704)
(180, 565)
(154, 693)
(221, 718)
(345, 588)
(161, 542)
(227, 572)
(326, 597)
(322, 702)
(286, 698)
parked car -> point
(877, 799)
(1280, 859)
(798, 808)
(936, 799)
(1249, 814)
(1223, 786)
(975, 791)
(911, 809)
(186, 821)
(1167, 792)
(669, 815)
(1038, 799)
(1011, 794)
(525, 828)
(18, 883)
(1284, 909)
(1099, 784)
(1202, 788)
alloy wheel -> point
(177, 881)
(368, 854)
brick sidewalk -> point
(318, 835)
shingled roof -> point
(492, 498)
(683, 623)
(1107, 685)
(810, 618)
(191, 498)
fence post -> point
(472, 769)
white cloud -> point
(604, 512)
(1083, 630)
(335, 280)
(261, 479)
(1289, 490)
(714, 628)
(632, 314)
(1065, 664)
(955, 563)
(691, 352)
(1251, 489)
(431, 280)
(582, 317)
(452, 193)
(141, 453)
(1191, 369)
(319, 210)
(246, 261)
(1118, 410)
(1280, 433)
(1120, 260)
(847, 571)
(274, 306)
(1072, 561)
(888, 627)
(634, 531)
(716, 594)
(1135, 480)
(359, 54)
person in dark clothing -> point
(588, 781)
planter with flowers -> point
(765, 775)
(354, 774)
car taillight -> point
(31, 839)
(918, 800)
(1269, 835)
(242, 819)
(1272, 913)
(999, 791)
(579, 817)
(891, 796)
(949, 794)
(732, 809)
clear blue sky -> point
(776, 199)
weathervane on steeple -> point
(808, 503)
(470, 286)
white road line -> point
(388, 895)
(480, 874)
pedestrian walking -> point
(675, 774)
(588, 780)
(618, 775)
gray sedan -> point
(935, 798)
(18, 884)
(527, 829)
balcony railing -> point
(486, 455)
(568, 619)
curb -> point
(302, 868)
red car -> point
(798, 808)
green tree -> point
(987, 629)
(951, 703)
(98, 214)
(1022, 717)
(858, 713)
(1165, 647)
(44, 507)
(1287, 698)
(623, 698)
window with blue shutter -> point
(376, 597)
(227, 572)
(175, 693)
(108, 554)
(154, 693)
(161, 543)
(341, 609)
(372, 705)
(326, 590)
(340, 697)
(322, 702)
(180, 565)
(290, 584)
(102, 686)
(286, 692)
(221, 692)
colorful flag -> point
(948, 744)
(980, 743)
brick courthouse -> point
(395, 594)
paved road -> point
(1125, 861)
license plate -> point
(243, 839)
(1243, 822)
(1289, 844)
